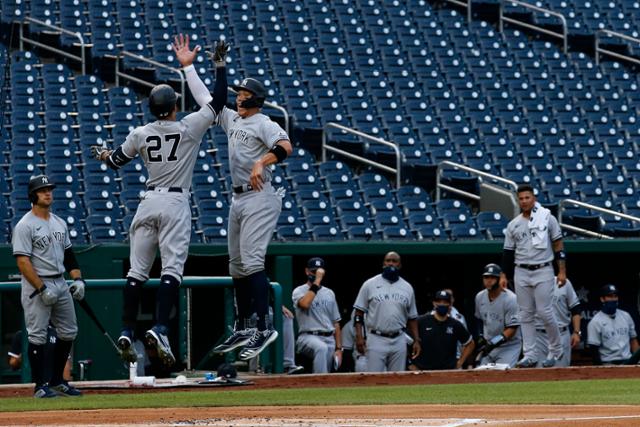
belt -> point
(319, 333)
(533, 266)
(239, 189)
(385, 334)
(562, 329)
(169, 189)
(52, 276)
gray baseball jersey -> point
(518, 237)
(249, 140)
(497, 315)
(323, 312)
(169, 148)
(612, 335)
(44, 242)
(563, 300)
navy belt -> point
(319, 333)
(239, 189)
(562, 329)
(52, 276)
(533, 267)
(385, 334)
(170, 189)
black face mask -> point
(495, 286)
(311, 278)
(392, 274)
(609, 307)
(442, 309)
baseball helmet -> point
(37, 183)
(162, 100)
(492, 270)
(227, 370)
(256, 88)
(608, 289)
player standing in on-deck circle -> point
(390, 305)
(499, 339)
(169, 150)
(43, 252)
(567, 309)
(319, 334)
(255, 142)
(532, 241)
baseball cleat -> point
(127, 351)
(44, 392)
(66, 390)
(551, 361)
(235, 340)
(525, 362)
(258, 342)
(294, 370)
(157, 337)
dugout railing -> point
(547, 12)
(90, 343)
(562, 207)
(598, 49)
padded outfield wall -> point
(427, 266)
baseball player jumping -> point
(168, 149)
(255, 142)
(532, 241)
(43, 252)
(499, 339)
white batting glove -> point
(97, 151)
(77, 289)
(47, 295)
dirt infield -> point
(379, 415)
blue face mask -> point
(609, 307)
(391, 273)
(442, 310)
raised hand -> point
(220, 51)
(184, 55)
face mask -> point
(442, 310)
(609, 307)
(311, 278)
(391, 273)
(495, 286)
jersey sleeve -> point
(555, 232)
(271, 132)
(572, 297)
(21, 239)
(297, 295)
(509, 242)
(362, 300)
(131, 145)
(412, 310)
(632, 327)
(593, 333)
(477, 313)
(224, 119)
(67, 238)
(511, 313)
(335, 311)
(197, 123)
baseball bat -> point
(87, 308)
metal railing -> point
(472, 171)
(599, 50)
(561, 208)
(144, 82)
(268, 104)
(466, 5)
(326, 147)
(563, 36)
(81, 58)
(184, 310)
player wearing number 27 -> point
(168, 149)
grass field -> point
(600, 392)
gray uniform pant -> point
(320, 349)
(288, 342)
(162, 219)
(386, 354)
(533, 291)
(507, 353)
(252, 220)
(542, 347)
(37, 316)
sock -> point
(131, 295)
(167, 295)
(36, 360)
(60, 356)
(260, 293)
(242, 290)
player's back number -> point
(154, 147)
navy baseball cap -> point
(442, 296)
(315, 262)
(608, 289)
